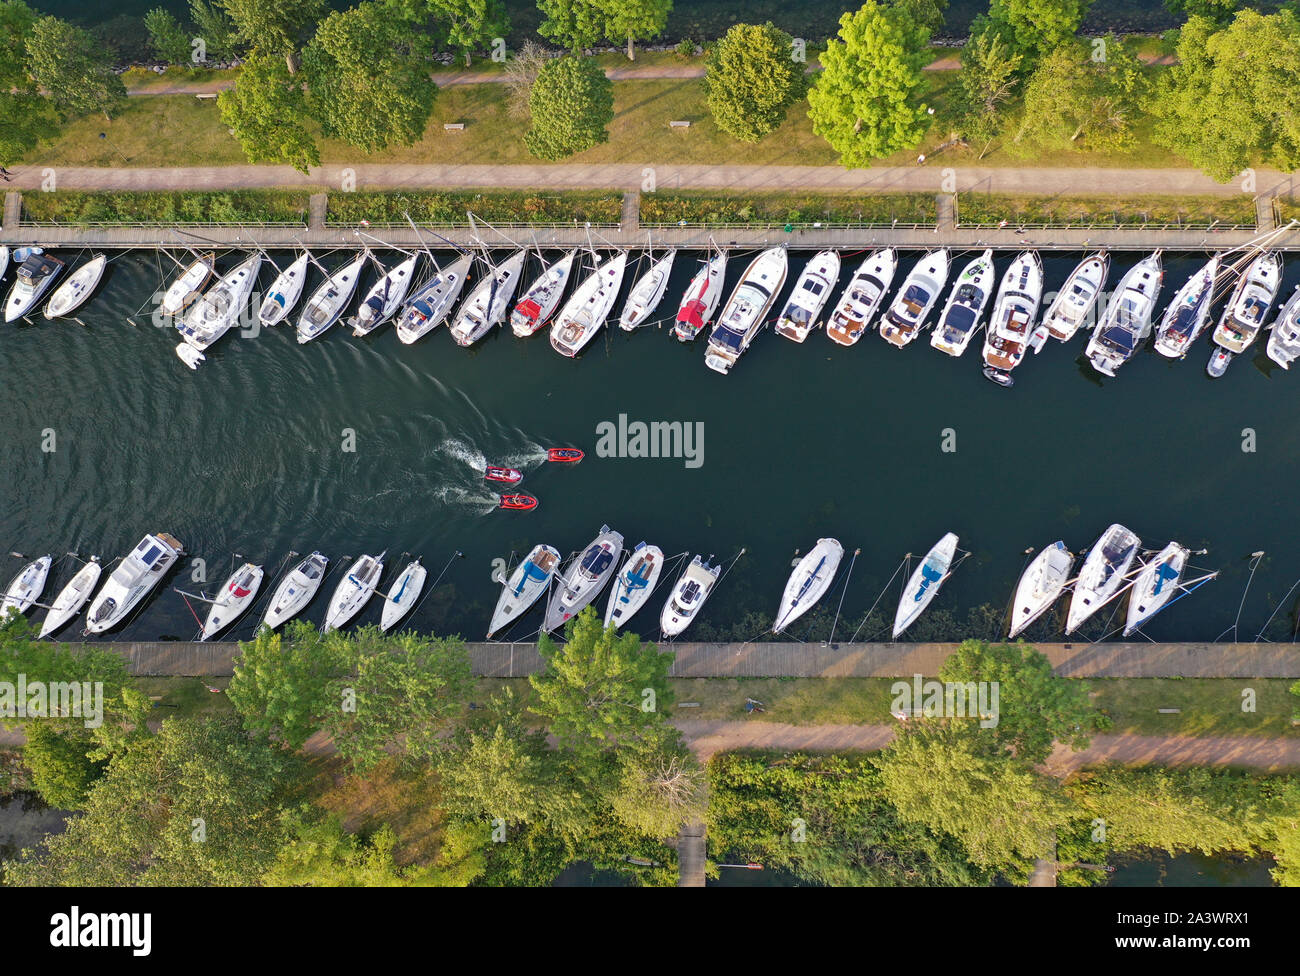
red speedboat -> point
(568, 454)
(519, 502)
(506, 476)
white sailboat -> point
(71, 598)
(1284, 335)
(330, 299)
(924, 584)
(634, 584)
(862, 298)
(213, 315)
(35, 276)
(354, 591)
(700, 300)
(585, 312)
(1188, 314)
(1013, 316)
(489, 301)
(1127, 319)
(585, 577)
(284, 292)
(1073, 305)
(1243, 318)
(543, 296)
(811, 578)
(647, 293)
(296, 591)
(1103, 574)
(132, 580)
(384, 298)
(1041, 585)
(692, 589)
(920, 291)
(811, 291)
(742, 316)
(1155, 585)
(525, 585)
(26, 588)
(433, 300)
(234, 601)
(960, 319)
(72, 294)
(402, 595)
(188, 285)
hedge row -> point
(598, 207)
(992, 208)
(787, 208)
(167, 207)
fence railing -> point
(149, 225)
(782, 225)
(465, 225)
(1203, 228)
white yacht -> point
(433, 300)
(384, 298)
(296, 591)
(924, 584)
(1188, 314)
(525, 586)
(811, 578)
(132, 579)
(811, 291)
(1075, 303)
(634, 584)
(585, 312)
(1041, 585)
(26, 588)
(1103, 574)
(402, 595)
(330, 299)
(960, 319)
(742, 316)
(188, 284)
(235, 599)
(1243, 318)
(543, 296)
(1127, 319)
(354, 591)
(1284, 335)
(905, 317)
(35, 276)
(488, 301)
(72, 294)
(1013, 316)
(863, 297)
(213, 315)
(72, 597)
(284, 292)
(700, 300)
(585, 577)
(647, 293)
(692, 589)
(1155, 585)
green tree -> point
(168, 38)
(927, 13)
(866, 102)
(1220, 11)
(571, 105)
(1037, 27)
(575, 24)
(66, 63)
(215, 28)
(26, 116)
(281, 683)
(60, 763)
(274, 26)
(462, 25)
(658, 791)
(635, 20)
(752, 80)
(989, 78)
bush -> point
(450, 207)
(685, 50)
(782, 208)
(240, 206)
(61, 770)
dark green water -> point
(246, 456)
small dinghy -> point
(402, 595)
(188, 284)
(543, 296)
(26, 588)
(384, 298)
(296, 591)
(132, 580)
(329, 300)
(688, 596)
(647, 293)
(284, 292)
(998, 377)
(236, 599)
(585, 312)
(1073, 306)
(1155, 585)
(924, 584)
(71, 598)
(433, 300)
(1041, 585)
(519, 502)
(862, 298)
(919, 293)
(190, 356)
(1219, 360)
(35, 276)
(505, 476)
(585, 577)
(634, 584)
(488, 303)
(960, 319)
(1103, 574)
(1188, 314)
(354, 591)
(72, 294)
(700, 299)
(525, 586)
(811, 291)
(565, 455)
(809, 582)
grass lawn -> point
(405, 799)
(185, 697)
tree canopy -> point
(274, 26)
(571, 105)
(752, 80)
(1035, 28)
(67, 63)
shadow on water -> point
(1190, 870)
(25, 820)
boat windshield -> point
(797, 314)
(915, 299)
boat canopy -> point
(597, 560)
(960, 319)
(692, 313)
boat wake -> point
(480, 501)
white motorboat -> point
(742, 316)
(1284, 334)
(960, 319)
(190, 356)
(525, 585)
(634, 584)
(26, 588)
(1103, 574)
(1155, 585)
(330, 299)
(132, 580)
(489, 301)
(585, 312)
(1244, 315)
(72, 294)
(543, 296)
(402, 595)
(1127, 319)
(284, 292)
(811, 291)
(862, 298)
(71, 598)
(905, 317)
(700, 300)
(688, 596)
(811, 578)
(354, 591)
(923, 586)
(1041, 585)
(35, 276)
(584, 578)
(384, 298)
(296, 591)
(1188, 314)
(1014, 313)
(188, 284)
(1074, 304)
(647, 293)
(4, 259)
(235, 599)
(221, 307)
(433, 300)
